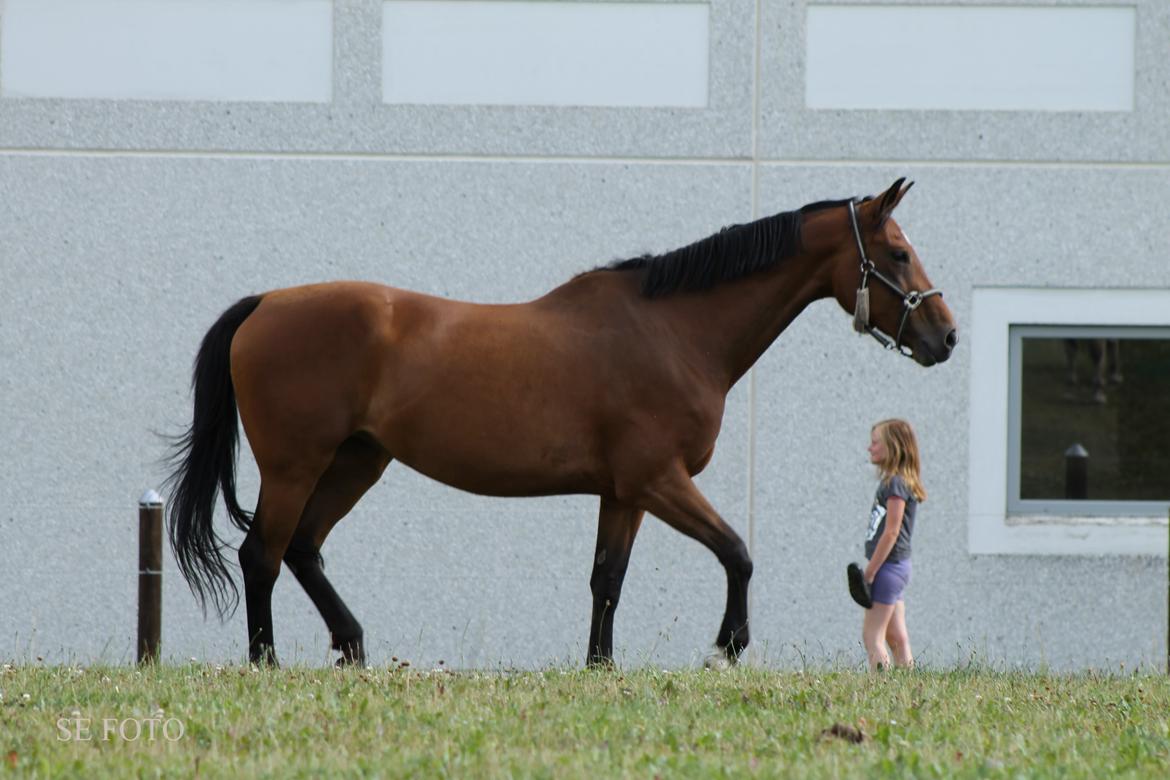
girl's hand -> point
(895, 509)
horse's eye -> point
(901, 256)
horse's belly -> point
(492, 476)
(496, 456)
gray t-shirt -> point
(895, 486)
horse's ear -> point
(889, 200)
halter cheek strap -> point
(861, 308)
(910, 300)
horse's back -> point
(473, 395)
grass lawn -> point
(234, 721)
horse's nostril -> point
(952, 339)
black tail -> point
(204, 461)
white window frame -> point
(991, 528)
(1054, 505)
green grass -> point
(394, 722)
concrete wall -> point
(127, 226)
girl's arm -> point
(895, 508)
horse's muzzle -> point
(932, 351)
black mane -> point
(732, 253)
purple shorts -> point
(892, 578)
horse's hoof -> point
(353, 652)
(717, 661)
(350, 663)
(264, 659)
(351, 657)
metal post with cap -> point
(1076, 472)
(150, 533)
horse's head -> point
(880, 279)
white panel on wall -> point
(970, 57)
(233, 50)
(492, 52)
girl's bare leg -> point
(898, 637)
(873, 633)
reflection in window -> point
(1093, 415)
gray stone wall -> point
(126, 227)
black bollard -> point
(150, 533)
(1076, 472)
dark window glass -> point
(1110, 397)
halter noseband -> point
(910, 300)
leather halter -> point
(910, 300)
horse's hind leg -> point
(356, 466)
(617, 526)
(282, 498)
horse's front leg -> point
(675, 499)
(617, 526)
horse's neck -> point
(733, 324)
(727, 328)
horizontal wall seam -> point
(597, 160)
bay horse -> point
(612, 385)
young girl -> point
(894, 450)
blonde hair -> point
(902, 457)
